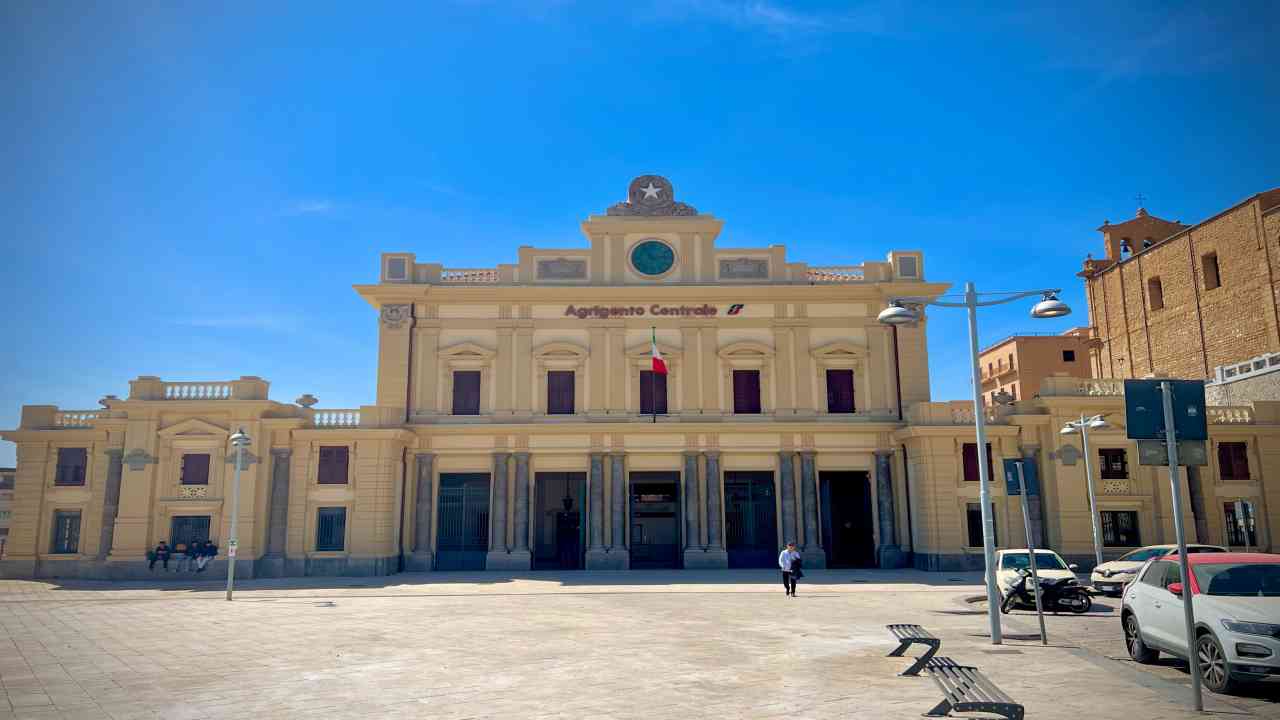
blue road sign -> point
(1028, 476)
(1144, 410)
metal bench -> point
(968, 690)
(909, 635)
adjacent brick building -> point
(1181, 300)
(1019, 363)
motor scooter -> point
(1056, 594)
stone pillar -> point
(597, 555)
(692, 534)
(520, 555)
(619, 554)
(814, 555)
(890, 552)
(498, 550)
(1035, 506)
(272, 562)
(422, 559)
(714, 555)
(111, 502)
(787, 491)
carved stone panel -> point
(744, 269)
(395, 316)
(562, 269)
(138, 459)
(651, 195)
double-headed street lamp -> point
(901, 312)
(1083, 426)
(239, 441)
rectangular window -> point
(973, 517)
(333, 465)
(66, 532)
(1115, 464)
(653, 393)
(839, 391)
(1210, 265)
(1010, 361)
(6, 482)
(746, 392)
(71, 464)
(971, 470)
(186, 529)
(1155, 293)
(466, 392)
(331, 528)
(1233, 460)
(1120, 528)
(195, 469)
(1068, 356)
(559, 392)
(1236, 535)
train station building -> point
(522, 421)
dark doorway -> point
(846, 520)
(655, 520)
(559, 530)
(750, 517)
(463, 538)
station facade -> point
(519, 424)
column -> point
(1035, 507)
(520, 554)
(715, 539)
(691, 531)
(272, 562)
(597, 556)
(890, 553)
(814, 555)
(421, 559)
(111, 502)
(498, 551)
(787, 491)
(619, 555)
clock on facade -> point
(652, 257)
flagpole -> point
(653, 380)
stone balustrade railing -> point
(956, 412)
(335, 418)
(836, 274)
(75, 418)
(469, 276)
(1230, 415)
(150, 387)
(1081, 387)
(197, 390)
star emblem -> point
(650, 191)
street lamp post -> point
(1083, 426)
(239, 441)
(1049, 307)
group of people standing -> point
(193, 556)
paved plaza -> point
(572, 645)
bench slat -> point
(966, 689)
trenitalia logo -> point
(583, 312)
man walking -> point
(789, 561)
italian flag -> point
(659, 365)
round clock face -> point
(652, 257)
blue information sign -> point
(1028, 476)
(1144, 410)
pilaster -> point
(520, 557)
(890, 554)
(421, 558)
(787, 491)
(713, 555)
(110, 501)
(619, 553)
(812, 552)
(272, 563)
(597, 554)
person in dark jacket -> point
(191, 555)
(161, 553)
(207, 553)
(790, 563)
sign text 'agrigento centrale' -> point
(582, 312)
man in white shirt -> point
(788, 560)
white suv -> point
(1109, 578)
(1236, 605)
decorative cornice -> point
(137, 459)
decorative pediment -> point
(193, 427)
(560, 355)
(745, 349)
(467, 350)
(669, 352)
(839, 351)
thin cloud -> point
(778, 19)
(309, 207)
(232, 321)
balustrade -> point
(197, 390)
(469, 276)
(1230, 415)
(335, 418)
(75, 418)
(836, 274)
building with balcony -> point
(1018, 364)
(519, 424)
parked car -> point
(1235, 599)
(1049, 566)
(1109, 578)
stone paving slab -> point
(571, 645)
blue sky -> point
(189, 190)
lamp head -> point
(1098, 424)
(896, 314)
(1068, 429)
(239, 438)
(1050, 307)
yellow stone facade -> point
(507, 430)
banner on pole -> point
(1028, 475)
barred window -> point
(1120, 528)
(1236, 535)
(973, 522)
(186, 529)
(66, 532)
(331, 528)
(1115, 464)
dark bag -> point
(797, 568)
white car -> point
(1110, 577)
(1049, 566)
(1235, 599)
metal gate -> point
(751, 529)
(184, 529)
(463, 538)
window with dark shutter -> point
(973, 523)
(331, 528)
(971, 471)
(839, 391)
(559, 392)
(66, 532)
(1120, 528)
(333, 465)
(1233, 460)
(653, 393)
(746, 392)
(71, 465)
(466, 392)
(1115, 464)
(195, 469)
